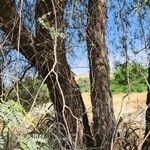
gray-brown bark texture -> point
(39, 51)
(103, 115)
(146, 145)
(1, 86)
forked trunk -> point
(69, 106)
(39, 51)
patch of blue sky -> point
(135, 37)
(113, 36)
(27, 11)
(76, 42)
(77, 48)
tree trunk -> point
(146, 144)
(1, 86)
(103, 115)
(39, 51)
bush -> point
(14, 119)
(137, 74)
(28, 89)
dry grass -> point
(132, 111)
(130, 129)
(132, 105)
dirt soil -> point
(131, 107)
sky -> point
(77, 48)
(113, 37)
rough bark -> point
(146, 144)
(39, 51)
(1, 86)
(103, 115)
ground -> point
(131, 108)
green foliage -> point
(34, 142)
(28, 90)
(17, 124)
(1, 142)
(14, 116)
(43, 21)
(119, 83)
(84, 84)
(147, 2)
(137, 75)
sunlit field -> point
(133, 106)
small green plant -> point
(34, 142)
(1, 143)
(14, 117)
(13, 114)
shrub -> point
(28, 89)
(137, 74)
(13, 118)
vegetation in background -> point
(47, 51)
(84, 84)
(137, 75)
(28, 90)
(119, 84)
